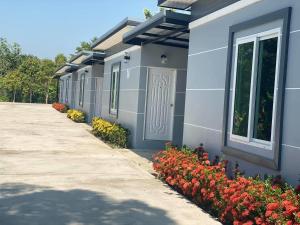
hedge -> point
(63, 108)
(111, 133)
(237, 201)
(76, 115)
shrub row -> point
(63, 108)
(234, 201)
(109, 132)
(76, 115)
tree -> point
(86, 46)
(12, 82)
(47, 69)
(30, 70)
(10, 56)
(60, 60)
(147, 13)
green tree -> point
(60, 60)
(86, 46)
(147, 13)
(47, 84)
(10, 56)
(12, 82)
(30, 70)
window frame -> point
(67, 90)
(81, 89)
(274, 160)
(62, 90)
(256, 38)
(114, 111)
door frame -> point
(146, 100)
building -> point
(223, 73)
(144, 86)
(81, 83)
(243, 82)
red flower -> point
(258, 220)
(246, 213)
(275, 216)
(272, 206)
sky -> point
(47, 27)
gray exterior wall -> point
(92, 90)
(207, 63)
(133, 82)
(64, 96)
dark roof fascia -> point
(160, 2)
(165, 16)
(114, 30)
(73, 67)
(95, 57)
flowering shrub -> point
(110, 132)
(237, 201)
(76, 115)
(63, 108)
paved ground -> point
(54, 172)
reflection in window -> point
(81, 89)
(265, 89)
(242, 89)
(253, 107)
(114, 89)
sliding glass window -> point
(114, 89)
(253, 109)
(81, 89)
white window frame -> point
(62, 90)
(67, 90)
(116, 68)
(267, 145)
(81, 89)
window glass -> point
(266, 72)
(114, 92)
(67, 90)
(81, 91)
(254, 90)
(242, 89)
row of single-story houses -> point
(224, 73)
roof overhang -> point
(176, 4)
(67, 68)
(79, 57)
(114, 36)
(165, 28)
(94, 57)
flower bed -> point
(76, 115)
(234, 201)
(63, 108)
(111, 133)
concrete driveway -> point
(54, 172)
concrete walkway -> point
(54, 172)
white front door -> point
(160, 104)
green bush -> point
(76, 115)
(111, 133)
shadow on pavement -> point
(23, 204)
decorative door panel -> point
(160, 104)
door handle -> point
(171, 105)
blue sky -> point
(47, 27)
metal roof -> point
(120, 28)
(94, 57)
(176, 4)
(165, 28)
(67, 68)
(76, 59)
(87, 58)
